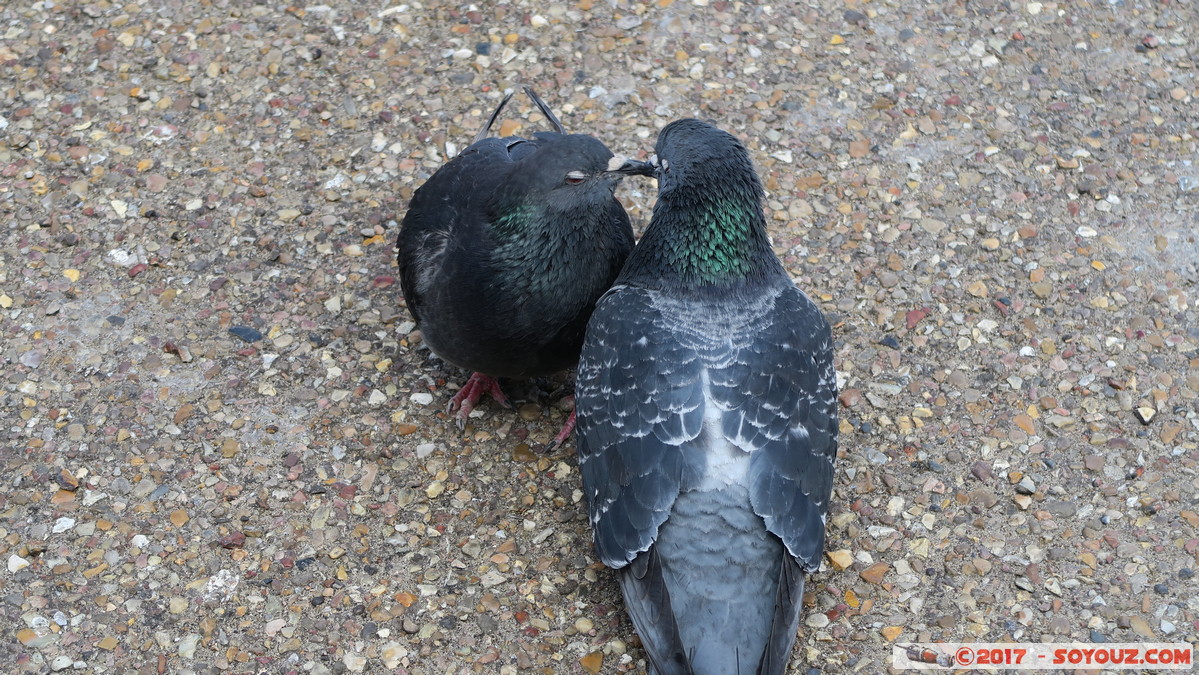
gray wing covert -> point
(639, 400)
(779, 394)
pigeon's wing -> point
(451, 210)
(779, 400)
(639, 401)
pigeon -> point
(707, 421)
(504, 250)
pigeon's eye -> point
(575, 177)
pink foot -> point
(470, 393)
(567, 429)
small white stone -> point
(377, 397)
(393, 653)
(355, 662)
(61, 663)
(63, 524)
(16, 563)
(421, 398)
(121, 257)
(187, 646)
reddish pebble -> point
(915, 316)
(137, 269)
(850, 397)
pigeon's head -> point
(568, 171)
(573, 172)
(690, 152)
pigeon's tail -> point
(648, 600)
(545, 110)
(787, 607)
(491, 120)
(732, 590)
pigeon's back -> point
(706, 401)
(453, 207)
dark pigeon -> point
(505, 249)
(707, 418)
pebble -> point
(1061, 508)
(187, 645)
(840, 559)
(1140, 626)
(245, 333)
(874, 574)
(1025, 486)
(354, 662)
(982, 471)
(393, 654)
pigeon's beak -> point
(626, 166)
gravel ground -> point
(223, 447)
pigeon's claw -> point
(497, 394)
(568, 428)
(468, 396)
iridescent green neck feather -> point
(703, 240)
(714, 248)
(515, 220)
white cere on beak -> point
(616, 162)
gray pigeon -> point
(505, 249)
(707, 418)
